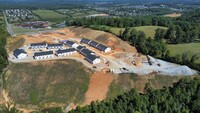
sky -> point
(101, 0)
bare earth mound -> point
(98, 87)
(103, 37)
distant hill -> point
(65, 1)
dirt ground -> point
(71, 32)
(173, 15)
(98, 87)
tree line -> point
(157, 47)
(184, 29)
(183, 97)
(146, 45)
(3, 53)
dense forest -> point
(3, 53)
(183, 97)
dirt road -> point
(9, 28)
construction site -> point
(120, 57)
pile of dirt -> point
(115, 43)
(181, 70)
(98, 87)
(13, 43)
(103, 37)
(162, 67)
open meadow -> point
(148, 30)
(48, 14)
(191, 48)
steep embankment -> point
(48, 83)
(98, 87)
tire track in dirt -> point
(98, 87)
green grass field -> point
(48, 14)
(126, 82)
(18, 31)
(1, 20)
(40, 83)
(148, 30)
(21, 30)
(192, 48)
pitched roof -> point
(101, 47)
(85, 40)
(93, 43)
(54, 45)
(43, 53)
(91, 58)
(69, 43)
(80, 48)
(17, 52)
(38, 44)
(86, 52)
(65, 50)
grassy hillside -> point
(62, 82)
(21, 30)
(148, 30)
(193, 48)
(125, 82)
(48, 14)
(1, 17)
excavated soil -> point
(98, 87)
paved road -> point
(9, 28)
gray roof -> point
(17, 52)
(38, 44)
(93, 43)
(91, 58)
(86, 52)
(43, 53)
(54, 45)
(101, 47)
(85, 40)
(79, 48)
(65, 50)
(69, 43)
